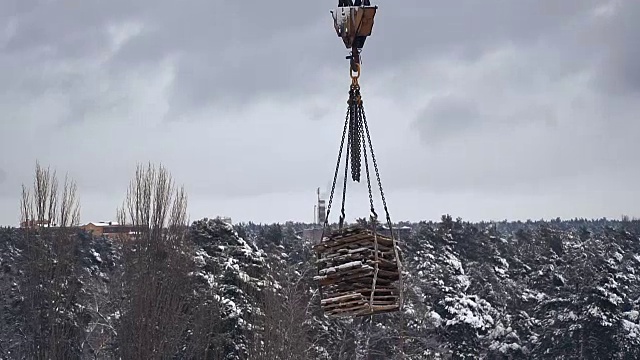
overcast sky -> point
(484, 110)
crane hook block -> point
(354, 23)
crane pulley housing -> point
(353, 23)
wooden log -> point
(382, 308)
(388, 274)
(361, 308)
(342, 252)
(368, 237)
(321, 248)
(375, 297)
(356, 275)
(345, 278)
(362, 246)
(343, 267)
(341, 298)
(347, 259)
(393, 299)
(361, 253)
(355, 240)
(365, 258)
(342, 237)
(385, 297)
(348, 304)
(345, 305)
(384, 303)
(360, 280)
(333, 273)
(336, 235)
(361, 301)
(335, 291)
(353, 230)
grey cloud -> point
(468, 28)
(62, 39)
(229, 53)
(519, 92)
(539, 94)
(619, 71)
(447, 116)
(318, 112)
(10, 184)
(453, 116)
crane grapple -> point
(353, 24)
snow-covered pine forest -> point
(506, 290)
(205, 289)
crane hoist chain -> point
(356, 133)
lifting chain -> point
(375, 167)
(355, 124)
(335, 175)
(356, 132)
(357, 138)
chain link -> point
(344, 186)
(366, 167)
(335, 175)
(375, 166)
(356, 122)
(355, 126)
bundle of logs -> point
(357, 273)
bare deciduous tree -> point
(157, 263)
(49, 285)
(100, 333)
(156, 206)
(43, 207)
(284, 332)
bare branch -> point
(154, 204)
(41, 191)
(50, 265)
(69, 205)
(52, 202)
(44, 205)
(157, 264)
(26, 206)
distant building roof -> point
(103, 223)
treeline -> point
(209, 290)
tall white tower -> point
(322, 211)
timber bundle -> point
(358, 271)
